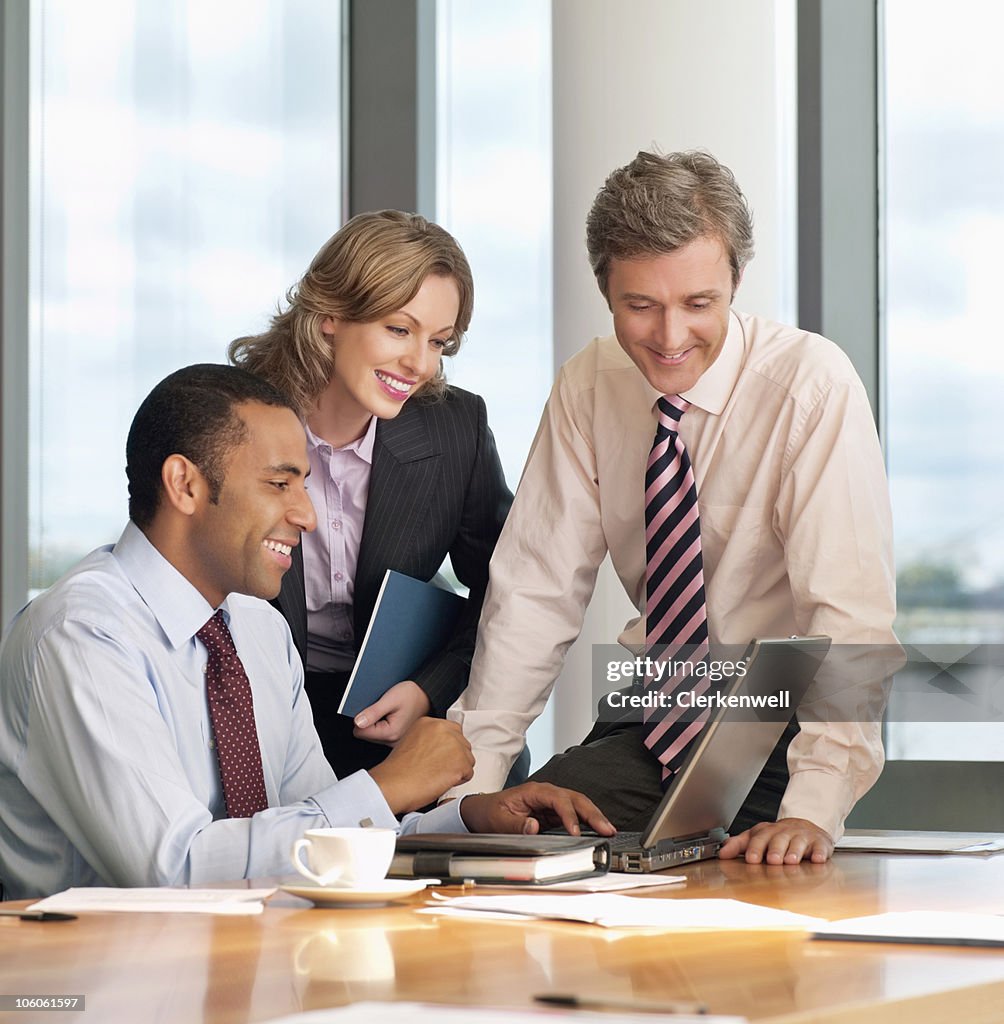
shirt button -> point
(336, 524)
(339, 577)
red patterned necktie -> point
(675, 609)
(231, 708)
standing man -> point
(153, 724)
(731, 468)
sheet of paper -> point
(921, 842)
(612, 881)
(923, 926)
(610, 911)
(428, 1013)
(156, 901)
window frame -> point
(14, 309)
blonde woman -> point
(404, 468)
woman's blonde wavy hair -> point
(372, 266)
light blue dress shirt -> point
(108, 774)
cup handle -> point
(321, 880)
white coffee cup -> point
(348, 857)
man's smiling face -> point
(242, 542)
(671, 312)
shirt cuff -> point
(490, 772)
(819, 797)
(444, 818)
(353, 800)
(357, 798)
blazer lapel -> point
(406, 466)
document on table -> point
(429, 1013)
(612, 881)
(610, 911)
(927, 927)
(156, 901)
(922, 842)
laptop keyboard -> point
(621, 841)
(625, 841)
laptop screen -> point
(726, 758)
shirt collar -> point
(715, 386)
(177, 606)
(363, 446)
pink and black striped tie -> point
(675, 608)
(231, 709)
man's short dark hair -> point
(190, 413)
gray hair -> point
(659, 203)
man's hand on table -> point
(788, 841)
(528, 808)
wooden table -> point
(189, 968)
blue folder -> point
(412, 620)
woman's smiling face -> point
(379, 365)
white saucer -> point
(374, 893)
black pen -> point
(38, 915)
(602, 1003)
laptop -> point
(724, 761)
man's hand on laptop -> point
(788, 841)
(532, 807)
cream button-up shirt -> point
(796, 531)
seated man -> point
(731, 468)
(153, 724)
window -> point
(493, 192)
(943, 220)
(185, 164)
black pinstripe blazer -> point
(436, 487)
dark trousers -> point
(614, 768)
(344, 752)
